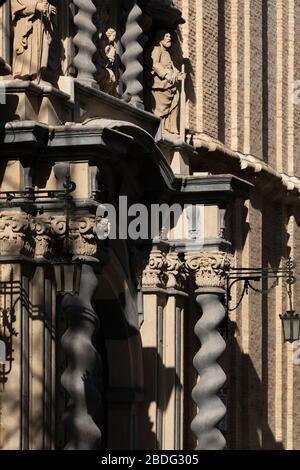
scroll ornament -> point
(209, 268)
(45, 236)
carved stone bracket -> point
(209, 268)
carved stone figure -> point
(165, 82)
(107, 61)
(34, 30)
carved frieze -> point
(42, 236)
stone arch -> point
(116, 304)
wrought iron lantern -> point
(291, 326)
(67, 272)
(67, 269)
(290, 319)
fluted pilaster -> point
(82, 378)
(84, 42)
(210, 274)
(132, 58)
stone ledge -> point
(213, 155)
(93, 103)
(26, 100)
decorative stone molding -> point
(42, 236)
(153, 275)
(209, 268)
(15, 234)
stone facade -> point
(204, 117)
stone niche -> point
(30, 63)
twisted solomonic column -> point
(210, 273)
(83, 40)
(132, 58)
(82, 378)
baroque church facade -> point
(112, 341)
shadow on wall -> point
(248, 402)
(157, 395)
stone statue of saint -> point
(165, 80)
(33, 28)
(107, 62)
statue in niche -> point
(34, 27)
(164, 79)
(107, 62)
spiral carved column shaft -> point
(132, 58)
(210, 274)
(83, 40)
(82, 378)
(212, 378)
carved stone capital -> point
(82, 238)
(15, 234)
(209, 268)
(41, 227)
(153, 275)
(175, 271)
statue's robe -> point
(165, 95)
(32, 38)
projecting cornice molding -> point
(113, 141)
(254, 169)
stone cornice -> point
(249, 166)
